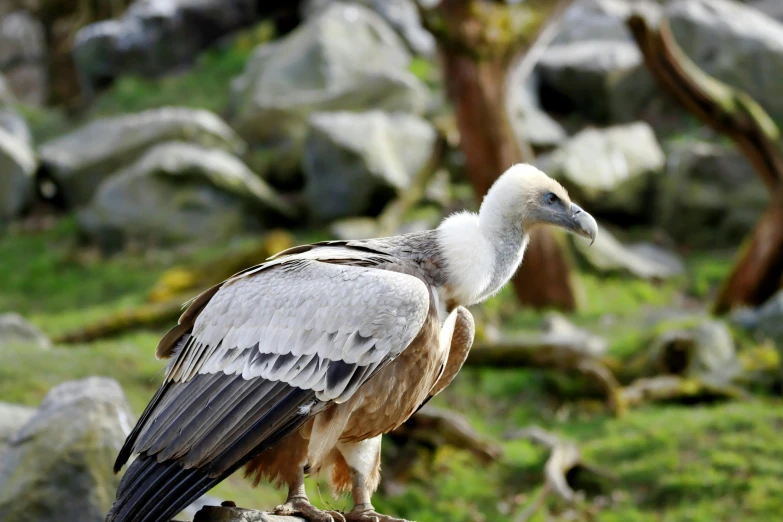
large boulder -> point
(354, 162)
(12, 121)
(710, 195)
(594, 20)
(642, 260)
(530, 123)
(14, 329)
(401, 15)
(59, 464)
(12, 418)
(17, 168)
(153, 37)
(603, 80)
(771, 8)
(78, 161)
(179, 192)
(345, 58)
(609, 170)
(735, 43)
(23, 56)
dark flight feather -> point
(155, 489)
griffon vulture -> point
(300, 364)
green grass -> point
(59, 285)
(671, 463)
(46, 276)
(27, 374)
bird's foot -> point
(300, 506)
(367, 513)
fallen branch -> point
(673, 387)
(551, 352)
(563, 472)
(438, 427)
(146, 315)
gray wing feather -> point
(318, 326)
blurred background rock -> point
(151, 148)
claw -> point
(359, 514)
(302, 507)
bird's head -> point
(527, 196)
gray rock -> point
(235, 514)
(12, 418)
(530, 123)
(23, 56)
(401, 15)
(17, 167)
(710, 196)
(59, 464)
(735, 43)
(771, 8)
(705, 350)
(765, 321)
(559, 330)
(189, 513)
(643, 260)
(14, 329)
(345, 58)
(605, 81)
(80, 160)
(356, 161)
(354, 228)
(14, 123)
(179, 192)
(154, 36)
(609, 170)
(594, 20)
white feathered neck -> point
(483, 251)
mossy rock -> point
(59, 465)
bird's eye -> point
(551, 198)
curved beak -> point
(582, 223)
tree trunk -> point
(758, 270)
(757, 275)
(478, 42)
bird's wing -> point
(310, 324)
(297, 326)
(459, 331)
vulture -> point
(300, 364)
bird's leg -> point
(297, 503)
(364, 462)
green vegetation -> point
(671, 462)
(206, 85)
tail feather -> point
(147, 486)
(153, 491)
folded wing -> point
(254, 358)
